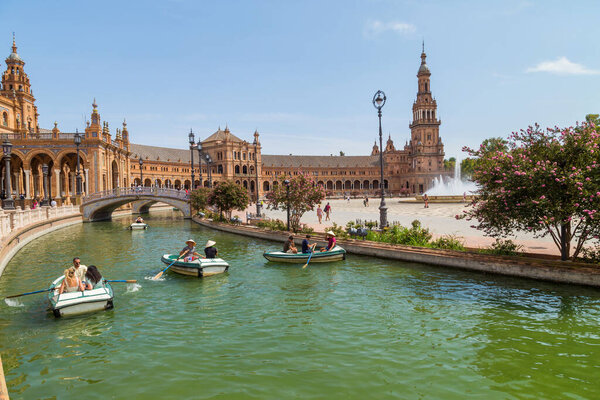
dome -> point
(424, 69)
(14, 57)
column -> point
(27, 183)
(86, 188)
(17, 188)
(56, 186)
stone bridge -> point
(99, 206)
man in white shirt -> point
(80, 270)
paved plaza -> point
(439, 218)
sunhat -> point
(330, 233)
(210, 243)
(190, 241)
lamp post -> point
(8, 202)
(141, 172)
(256, 169)
(378, 103)
(77, 140)
(45, 201)
(199, 148)
(287, 190)
(208, 166)
(192, 141)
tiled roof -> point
(154, 153)
(271, 161)
(222, 135)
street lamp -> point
(287, 189)
(199, 148)
(192, 141)
(8, 202)
(77, 140)
(378, 103)
(141, 173)
(256, 169)
(209, 165)
(45, 184)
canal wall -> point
(19, 227)
(517, 266)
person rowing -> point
(189, 251)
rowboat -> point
(335, 254)
(199, 267)
(138, 225)
(74, 303)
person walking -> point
(426, 200)
(319, 213)
(327, 211)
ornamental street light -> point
(256, 170)
(8, 202)
(287, 190)
(141, 172)
(77, 140)
(199, 148)
(192, 141)
(378, 103)
(45, 201)
(208, 159)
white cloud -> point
(376, 27)
(562, 66)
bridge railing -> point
(13, 220)
(138, 191)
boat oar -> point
(163, 271)
(309, 257)
(121, 280)
(25, 294)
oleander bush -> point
(503, 247)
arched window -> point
(5, 118)
(244, 168)
(219, 169)
(265, 186)
(243, 155)
(237, 169)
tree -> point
(227, 196)
(305, 194)
(545, 182)
(467, 166)
(593, 119)
(342, 154)
(449, 164)
(199, 198)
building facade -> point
(44, 162)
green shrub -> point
(503, 248)
(591, 255)
(448, 242)
(273, 224)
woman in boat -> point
(210, 250)
(92, 277)
(71, 282)
(330, 241)
(139, 220)
(189, 251)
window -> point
(5, 119)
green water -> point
(358, 329)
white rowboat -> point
(75, 303)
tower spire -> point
(14, 46)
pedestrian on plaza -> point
(426, 200)
(464, 197)
(327, 211)
(319, 213)
(34, 205)
(366, 201)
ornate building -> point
(45, 161)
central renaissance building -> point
(42, 155)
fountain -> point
(451, 189)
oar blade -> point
(157, 276)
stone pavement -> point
(439, 218)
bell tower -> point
(426, 148)
(16, 87)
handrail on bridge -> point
(138, 191)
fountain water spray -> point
(454, 186)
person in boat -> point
(289, 246)
(210, 250)
(139, 220)
(189, 251)
(80, 269)
(93, 278)
(306, 246)
(330, 241)
(71, 283)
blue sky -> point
(303, 73)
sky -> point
(303, 73)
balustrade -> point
(11, 221)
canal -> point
(358, 329)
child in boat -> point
(210, 250)
(189, 251)
(92, 277)
(330, 241)
(289, 246)
(71, 282)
